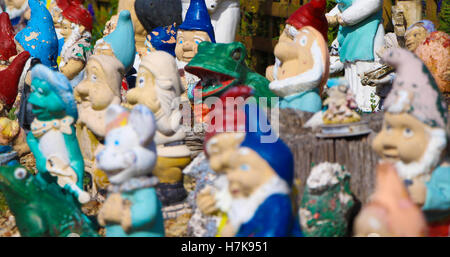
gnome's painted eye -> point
(303, 41)
(181, 41)
(388, 128)
(245, 167)
(20, 173)
(94, 78)
(198, 41)
(408, 133)
(141, 82)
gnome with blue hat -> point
(120, 42)
(196, 28)
(40, 40)
(259, 169)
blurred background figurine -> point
(414, 138)
(361, 34)
(132, 207)
(162, 39)
(19, 13)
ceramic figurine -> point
(196, 28)
(227, 60)
(416, 34)
(260, 178)
(159, 88)
(18, 11)
(435, 53)
(301, 70)
(360, 35)
(120, 42)
(414, 137)
(327, 202)
(40, 40)
(139, 30)
(100, 89)
(52, 139)
(42, 209)
(225, 16)
(56, 8)
(162, 39)
(132, 207)
(341, 103)
(390, 211)
(76, 29)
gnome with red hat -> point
(302, 60)
(11, 64)
(76, 28)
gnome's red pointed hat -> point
(311, 14)
(10, 79)
(62, 4)
(76, 13)
(7, 45)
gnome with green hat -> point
(414, 138)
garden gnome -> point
(139, 31)
(40, 40)
(52, 138)
(56, 8)
(390, 211)
(417, 33)
(99, 89)
(120, 42)
(301, 70)
(341, 103)
(260, 178)
(195, 29)
(18, 11)
(76, 28)
(360, 36)
(132, 207)
(435, 53)
(159, 88)
(414, 137)
(327, 202)
(162, 39)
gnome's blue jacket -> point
(273, 218)
(437, 203)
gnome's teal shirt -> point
(146, 216)
(307, 101)
(437, 203)
(357, 42)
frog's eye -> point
(40, 90)
(20, 173)
(236, 54)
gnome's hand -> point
(418, 191)
(332, 20)
(206, 202)
(269, 73)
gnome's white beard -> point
(302, 82)
(74, 37)
(430, 158)
(93, 119)
(14, 13)
(243, 209)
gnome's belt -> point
(182, 142)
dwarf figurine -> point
(341, 103)
(390, 211)
(360, 36)
(195, 29)
(260, 177)
(132, 207)
(18, 11)
(162, 39)
(40, 40)
(301, 70)
(159, 88)
(414, 138)
(52, 138)
(76, 29)
(56, 8)
(416, 34)
(100, 88)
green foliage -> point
(444, 17)
(102, 15)
(3, 205)
(332, 31)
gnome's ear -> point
(112, 112)
(143, 122)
